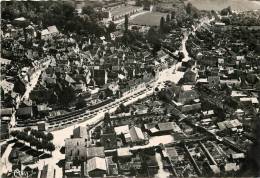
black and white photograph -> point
(130, 88)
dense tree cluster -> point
(192, 11)
(35, 138)
(59, 13)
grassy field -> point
(148, 19)
(122, 10)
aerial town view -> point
(130, 88)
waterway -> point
(238, 5)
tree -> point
(162, 24)
(88, 10)
(30, 140)
(50, 147)
(168, 18)
(49, 136)
(81, 103)
(33, 132)
(107, 120)
(189, 8)
(138, 3)
(126, 23)
(38, 145)
(15, 133)
(173, 15)
(27, 129)
(226, 11)
(111, 27)
(22, 136)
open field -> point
(124, 9)
(148, 19)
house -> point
(95, 152)
(4, 61)
(111, 166)
(171, 153)
(71, 170)
(49, 32)
(42, 110)
(189, 77)
(6, 112)
(231, 167)
(124, 153)
(100, 76)
(166, 127)
(48, 171)
(42, 126)
(75, 148)
(229, 124)
(214, 170)
(237, 156)
(53, 29)
(25, 112)
(186, 94)
(96, 167)
(80, 132)
(4, 131)
(121, 130)
(137, 135)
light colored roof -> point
(237, 94)
(45, 32)
(187, 87)
(136, 134)
(171, 152)
(202, 80)
(120, 76)
(254, 100)
(215, 169)
(4, 61)
(121, 152)
(20, 19)
(209, 112)
(53, 29)
(231, 167)
(239, 111)
(7, 86)
(238, 155)
(122, 129)
(154, 130)
(96, 163)
(69, 79)
(229, 124)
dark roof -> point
(167, 126)
(26, 111)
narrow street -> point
(29, 87)
(161, 172)
(6, 165)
